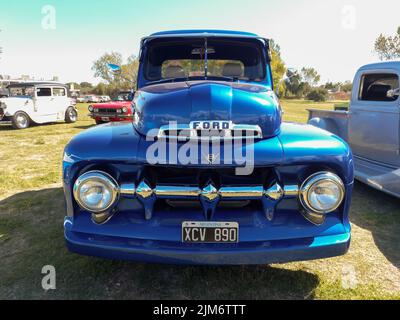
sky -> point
(63, 37)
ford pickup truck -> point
(206, 172)
(371, 126)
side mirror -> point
(115, 69)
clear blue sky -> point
(334, 36)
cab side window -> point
(59, 92)
(43, 92)
(379, 87)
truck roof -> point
(37, 83)
(202, 33)
(382, 65)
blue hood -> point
(184, 102)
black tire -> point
(99, 122)
(20, 120)
(71, 115)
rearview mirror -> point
(393, 93)
(115, 69)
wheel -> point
(20, 120)
(99, 122)
(71, 115)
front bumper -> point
(112, 117)
(178, 253)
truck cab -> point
(371, 126)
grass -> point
(31, 236)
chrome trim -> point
(192, 133)
(275, 192)
(173, 191)
(209, 193)
(144, 191)
(255, 192)
(291, 191)
(128, 189)
(105, 178)
(317, 177)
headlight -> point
(322, 193)
(124, 109)
(96, 191)
(90, 108)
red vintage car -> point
(119, 109)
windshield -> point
(188, 58)
(21, 91)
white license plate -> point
(210, 232)
(105, 119)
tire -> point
(71, 115)
(20, 120)
(99, 122)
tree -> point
(278, 67)
(318, 95)
(388, 48)
(311, 76)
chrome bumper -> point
(209, 196)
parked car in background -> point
(3, 93)
(80, 99)
(118, 110)
(91, 98)
(37, 102)
(104, 98)
(199, 91)
(371, 126)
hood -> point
(112, 105)
(185, 102)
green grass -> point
(31, 236)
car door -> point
(61, 101)
(375, 116)
(44, 105)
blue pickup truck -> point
(371, 126)
(206, 172)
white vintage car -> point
(37, 102)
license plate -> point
(210, 232)
(105, 119)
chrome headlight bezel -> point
(102, 177)
(314, 179)
(124, 110)
(90, 108)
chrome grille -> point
(185, 132)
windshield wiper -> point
(166, 80)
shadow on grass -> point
(31, 236)
(379, 213)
